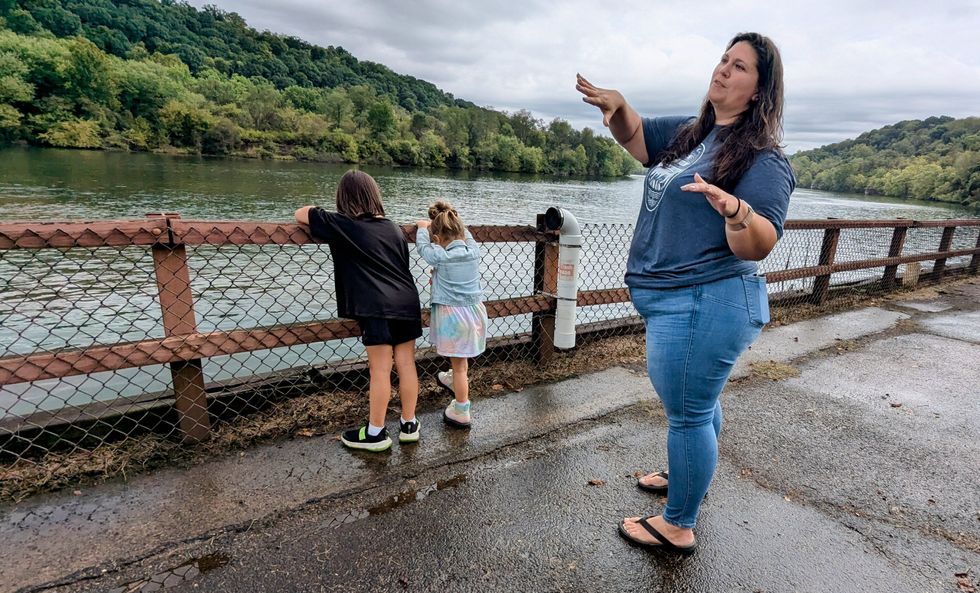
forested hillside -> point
(933, 159)
(165, 76)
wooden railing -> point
(183, 346)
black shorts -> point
(376, 331)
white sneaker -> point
(445, 380)
(453, 417)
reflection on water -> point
(50, 184)
(76, 298)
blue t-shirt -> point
(679, 239)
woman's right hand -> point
(607, 100)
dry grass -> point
(773, 370)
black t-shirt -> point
(370, 258)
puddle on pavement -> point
(175, 576)
(397, 501)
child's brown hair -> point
(358, 195)
(446, 223)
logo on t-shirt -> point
(659, 177)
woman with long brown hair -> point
(714, 202)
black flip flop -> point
(654, 489)
(664, 544)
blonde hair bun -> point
(439, 207)
(445, 221)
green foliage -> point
(933, 159)
(261, 103)
(13, 87)
(144, 87)
(140, 135)
(405, 152)
(22, 21)
(345, 145)
(9, 123)
(184, 125)
(339, 109)
(212, 38)
(88, 73)
(221, 137)
(50, 15)
(433, 150)
(570, 162)
(381, 119)
(304, 99)
(73, 134)
(145, 75)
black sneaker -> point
(358, 438)
(410, 432)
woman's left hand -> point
(725, 203)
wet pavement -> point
(859, 473)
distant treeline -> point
(933, 159)
(164, 76)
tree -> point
(508, 153)
(433, 150)
(89, 75)
(23, 22)
(381, 119)
(184, 124)
(526, 128)
(13, 87)
(144, 88)
(339, 108)
(571, 162)
(222, 137)
(9, 123)
(405, 152)
(261, 102)
(305, 99)
(56, 19)
(73, 134)
(532, 159)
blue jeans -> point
(694, 335)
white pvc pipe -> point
(570, 247)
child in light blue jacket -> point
(458, 320)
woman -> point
(691, 269)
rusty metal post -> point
(895, 250)
(828, 251)
(545, 282)
(944, 244)
(975, 260)
(177, 304)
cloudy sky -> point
(851, 65)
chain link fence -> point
(166, 327)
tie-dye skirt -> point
(458, 331)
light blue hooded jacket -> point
(456, 269)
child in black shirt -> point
(375, 288)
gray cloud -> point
(851, 65)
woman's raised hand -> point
(723, 202)
(608, 100)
